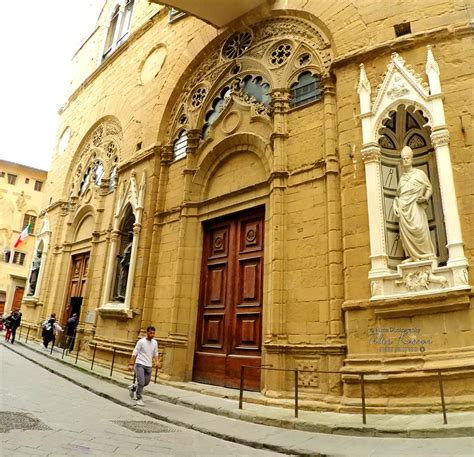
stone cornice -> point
(405, 42)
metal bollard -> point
(362, 392)
(27, 335)
(241, 388)
(113, 361)
(441, 392)
(93, 357)
(77, 352)
(296, 393)
(156, 373)
(52, 346)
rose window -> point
(237, 44)
(280, 54)
(198, 97)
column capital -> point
(281, 100)
(194, 137)
(328, 84)
(166, 154)
(440, 137)
(371, 152)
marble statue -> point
(413, 193)
(35, 267)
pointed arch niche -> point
(117, 292)
(407, 111)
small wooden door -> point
(229, 327)
(17, 298)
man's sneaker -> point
(140, 403)
(132, 391)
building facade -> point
(242, 188)
(21, 199)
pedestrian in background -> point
(71, 326)
(8, 322)
(143, 356)
(16, 322)
(48, 330)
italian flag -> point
(24, 234)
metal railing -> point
(64, 340)
(362, 377)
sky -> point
(37, 42)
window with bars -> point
(180, 146)
(306, 90)
(29, 218)
(18, 258)
(38, 185)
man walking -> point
(71, 325)
(16, 322)
(145, 352)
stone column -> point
(440, 140)
(333, 209)
(137, 226)
(110, 269)
(378, 252)
(275, 306)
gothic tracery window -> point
(305, 90)
(180, 145)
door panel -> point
(229, 324)
(17, 298)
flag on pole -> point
(24, 234)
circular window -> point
(237, 44)
(198, 97)
(64, 140)
(280, 53)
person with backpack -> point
(48, 330)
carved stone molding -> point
(440, 138)
(371, 153)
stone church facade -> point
(237, 187)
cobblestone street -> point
(53, 417)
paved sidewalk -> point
(313, 433)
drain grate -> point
(10, 420)
(145, 427)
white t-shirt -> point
(145, 350)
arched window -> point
(112, 178)
(306, 90)
(217, 106)
(256, 87)
(180, 146)
(118, 27)
(95, 171)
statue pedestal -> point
(418, 278)
(116, 310)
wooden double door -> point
(80, 268)
(229, 327)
